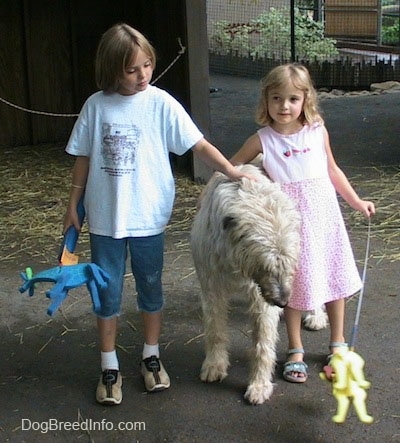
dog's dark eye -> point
(228, 222)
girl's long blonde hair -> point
(300, 78)
(117, 48)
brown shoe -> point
(109, 390)
(155, 375)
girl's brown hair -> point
(117, 48)
(300, 78)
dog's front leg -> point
(215, 318)
(263, 353)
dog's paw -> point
(213, 372)
(316, 320)
(257, 394)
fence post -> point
(292, 33)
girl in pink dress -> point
(296, 152)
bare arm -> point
(343, 186)
(213, 158)
(249, 151)
(79, 177)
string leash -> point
(52, 114)
(360, 298)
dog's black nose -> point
(280, 303)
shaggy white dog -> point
(244, 240)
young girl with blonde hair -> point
(296, 153)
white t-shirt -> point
(130, 188)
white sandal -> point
(295, 366)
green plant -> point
(391, 34)
(389, 3)
(268, 36)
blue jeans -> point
(146, 263)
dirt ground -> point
(50, 366)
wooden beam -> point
(197, 53)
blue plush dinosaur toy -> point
(69, 276)
(66, 278)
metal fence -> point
(346, 44)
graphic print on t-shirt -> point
(119, 144)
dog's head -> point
(275, 283)
(265, 257)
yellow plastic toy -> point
(348, 384)
(346, 367)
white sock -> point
(109, 360)
(150, 350)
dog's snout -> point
(280, 303)
(275, 299)
(276, 294)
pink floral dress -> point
(326, 269)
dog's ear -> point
(228, 222)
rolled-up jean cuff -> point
(146, 254)
(107, 317)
